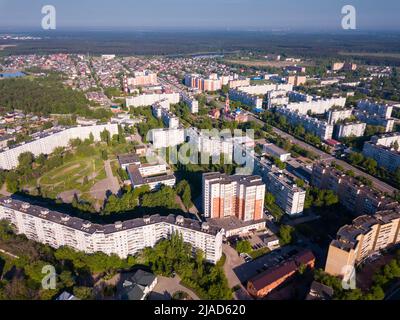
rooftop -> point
(91, 228)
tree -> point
(356, 158)
(83, 293)
(26, 160)
(104, 155)
(300, 183)
(12, 182)
(370, 165)
(91, 138)
(66, 279)
(105, 136)
(243, 246)
(285, 234)
(34, 271)
(165, 197)
(184, 191)
(269, 199)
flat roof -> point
(233, 223)
(89, 227)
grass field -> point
(80, 172)
(72, 174)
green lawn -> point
(71, 175)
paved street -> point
(233, 260)
(110, 184)
(166, 287)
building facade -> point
(164, 138)
(149, 99)
(47, 142)
(317, 127)
(356, 242)
(350, 130)
(352, 194)
(239, 196)
(385, 150)
(122, 238)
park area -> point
(87, 172)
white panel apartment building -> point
(214, 146)
(191, 102)
(246, 98)
(164, 138)
(318, 106)
(375, 114)
(161, 109)
(350, 130)
(122, 238)
(381, 110)
(264, 89)
(46, 142)
(150, 99)
(319, 128)
(381, 148)
(288, 195)
(251, 95)
(338, 115)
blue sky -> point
(313, 15)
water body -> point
(8, 75)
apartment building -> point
(375, 120)
(141, 79)
(161, 109)
(46, 142)
(295, 96)
(246, 98)
(164, 138)
(337, 115)
(191, 102)
(317, 127)
(355, 129)
(288, 195)
(372, 108)
(159, 106)
(365, 236)
(259, 90)
(344, 66)
(290, 198)
(125, 238)
(238, 196)
(352, 194)
(210, 144)
(316, 106)
(385, 149)
(240, 82)
(150, 99)
(212, 83)
(296, 80)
